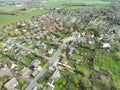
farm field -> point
(73, 7)
(73, 46)
(8, 8)
(5, 19)
(60, 2)
(11, 0)
(109, 63)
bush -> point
(86, 83)
(117, 55)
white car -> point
(35, 88)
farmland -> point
(109, 63)
(60, 2)
(8, 8)
(75, 46)
(5, 19)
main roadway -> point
(30, 50)
(53, 59)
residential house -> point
(25, 71)
(56, 74)
(35, 63)
(63, 60)
(106, 45)
(49, 85)
(50, 51)
(43, 46)
(50, 82)
(11, 84)
(68, 39)
(8, 64)
(69, 68)
(35, 73)
(46, 87)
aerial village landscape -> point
(59, 45)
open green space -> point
(10, 0)
(6, 19)
(60, 2)
(110, 64)
(62, 80)
(71, 63)
(57, 86)
(78, 57)
(3, 79)
(20, 84)
(8, 30)
(71, 79)
(102, 7)
(61, 34)
(8, 8)
(28, 61)
(44, 78)
(75, 7)
(84, 70)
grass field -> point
(75, 7)
(11, 0)
(110, 64)
(72, 8)
(8, 8)
(78, 57)
(5, 19)
(60, 2)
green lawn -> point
(2, 57)
(45, 78)
(102, 7)
(83, 70)
(71, 63)
(72, 85)
(78, 57)
(75, 7)
(57, 86)
(110, 64)
(8, 8)
(3, 79)
(27, 45)
(20, 84)
(61, 34)
(18, 40)
(71, 8)
(60, 2)
(5, 19)
(28, 61)
(11, 0)
(8, 30)
(89, 2)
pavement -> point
(50, 63)
(5, 72)
(32, 51)
(53, 59)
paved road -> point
(50, 63)
(32, 51)
(5, 72)
(53, 59)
